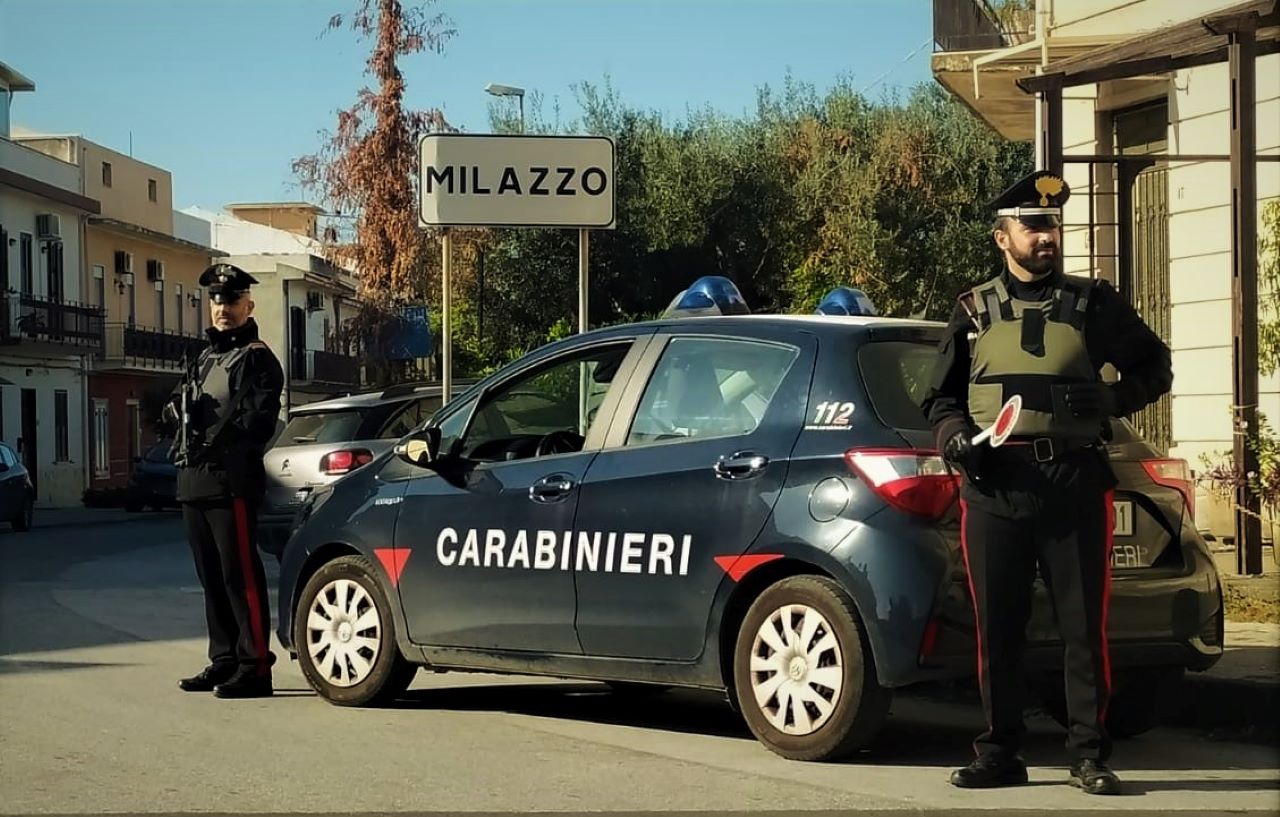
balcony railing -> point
(148, 348)
(28, 318)
(327, 367)
(981, 25)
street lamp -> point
(508, 90)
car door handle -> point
(551, 489)
(741, 465)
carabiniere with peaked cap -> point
(1036, 200)
(226, 283)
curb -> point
(1229, 708)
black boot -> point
(249, 682)
(1094, 777)
(208, 678)
(989, 772)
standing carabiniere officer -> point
(228, 404)
(1045, 497)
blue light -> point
(709, 295)
(846, 301)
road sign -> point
(483, 180)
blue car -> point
(743, 503)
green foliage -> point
(807, 192)
(1269, 289)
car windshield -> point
(322, 427)
(159, 452)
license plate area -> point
(1123, 517)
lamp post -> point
(508, 90)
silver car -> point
(328, 439)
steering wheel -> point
(559, 442)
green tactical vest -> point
(1032, 348)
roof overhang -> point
(45, 190)
(153, 236)
(988, 81)
(15, 80)
(1200, 41)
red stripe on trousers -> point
(1109, 510)
(973, 593)
(250, 582)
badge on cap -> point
(1041, 193)
(226, 282)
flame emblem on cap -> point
(1048, 186)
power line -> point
(899, 64)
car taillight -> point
(1177, 475)
(917, 482)
(344, 461)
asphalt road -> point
(97, 623)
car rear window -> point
(323, 427)
(897, 374)
(159, 452)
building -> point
(1165, 120)
(49, 336)
(302, 303)
(144, 279)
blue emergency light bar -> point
(709, 295)
(846, 301)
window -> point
(408, 417)
(7, 456)
(710, 387)
(159, 452)
(323, 427)
(4, 259)
(62, 452)
(133, 303)
(26, 264)
(100, 285)
(160, 305)
(897, 374)
(56, 282)
(199, 315)
(178, 310)
(106, 174)
(521, 413)
(101, 440)
(152, 193)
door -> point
(134, 439)
(484, 541)
(686, 486)
(298, 344)
(30, 441)
(12, 489)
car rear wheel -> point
(1141, 698)
(804, 675)
(344, 633)
(22, 522)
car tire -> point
(22, 522)
(777, 683)
(338, 667)
(1141, 698)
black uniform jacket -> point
(230, 463)
(1008, 483)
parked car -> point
(746, 504)
(328, 439)
(17, 494)
(153, 480)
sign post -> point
(483, 180)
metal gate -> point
(1148, 287)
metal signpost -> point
(482, 180)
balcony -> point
(31, 319)
(129, 347)
(981, 25)
(317, 367)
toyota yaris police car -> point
(744, 503)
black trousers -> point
(223, 537)
(1072, 546)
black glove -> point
(1091, 400)
(960, 451)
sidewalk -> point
(1240, 695)
(91, 517)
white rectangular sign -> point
(482, 180)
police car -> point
(745, 503)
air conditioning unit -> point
(49, 225)
(155, 269)
(315, 301)
(124, 262)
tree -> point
(366, 169)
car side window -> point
(7, 457)
(710, 387)
(409, 417)
(560, 398)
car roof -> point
(821, 323)
(392, 394)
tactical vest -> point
(215, 396)
(1035, 349)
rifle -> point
(182, 446)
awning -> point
(1202, 41)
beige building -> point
(144, 279)
(1144, 137)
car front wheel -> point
(344, 633)
(804, 674)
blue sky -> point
(225, 93)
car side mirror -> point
(421, 448)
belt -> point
(1045, 449)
